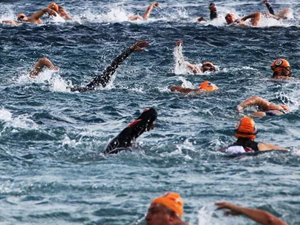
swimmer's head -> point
(172, 201)
(245, 128)
(22, 17)
(212, 6)
(208, 66)
(54, 7)
(281, 67)
(230, 18)
(208, 86)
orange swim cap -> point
(53, 6)
(21, 16)
(245, 128)
(172, 201)
(278, 64)
(208, 86)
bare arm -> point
(178, 52)
(269, 147)
(254, 101)
(63, 13)
(36, 16)
(260, 216)
(149, 9)
(38, 67)
(11, 22)
(255, 18)
(185, 90)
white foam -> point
(21, 121)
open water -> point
(52, 169)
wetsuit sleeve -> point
(105, 77)
(270, 9)
(213, 15)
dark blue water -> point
(52, 171)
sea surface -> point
(51, 167)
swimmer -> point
(245, 132)
(60, 10)
(147, 13)
(192, 68)
(283, 14)
(35, 18)
(205, 86)
(101, 80)
(166, 210)
(40, 65)
(281, 69)
(213, 13)
(255, 19)
(265, 108)
(145, 122)
(104, 78)
(259, 216)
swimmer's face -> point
(230, 18)
(208, 67)
(283, 71)
(22, 17)
(159, 215)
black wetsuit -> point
(132, 131)
(104, 78)
(270, 9)
(248, 144)
(213, 14)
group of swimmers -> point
(168, 209)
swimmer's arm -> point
(149, 9)
(178, 49)
(271, 11)
(185, 90)
(260, 216)
(36, 16)
(213, 12)
(255, 18)
(253, 101)
(11, 22)
(38, 67)
(269, 147)
(104, 78)
(63, 13)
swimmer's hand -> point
(239, 108)
(138, 46)
(199, 19)
(233, 209)
(179, 42)
(155, 4)
(51, 12)
(56, 68)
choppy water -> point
(52, 171)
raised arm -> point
(253, 101)
(38, 67)
(63, 13)
(255, 18)
(104, 78)
(259, 216)
(271, 11)
(149, 9)
(178, 52)
(35, 18)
